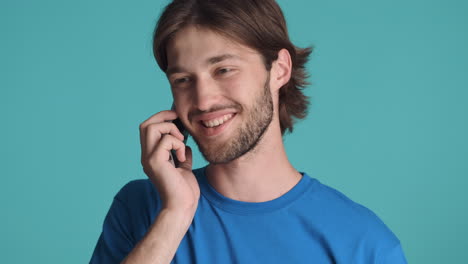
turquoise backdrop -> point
(387, 126)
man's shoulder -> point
(340, 203)
(137, 192)
(343, 215)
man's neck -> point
(261, 175)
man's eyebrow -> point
(209, 61)
(216, 59)
(174, 69)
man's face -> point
(221, 91)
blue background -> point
(387, 125)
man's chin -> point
(217, 160)
(215, 154)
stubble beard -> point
(247, 137)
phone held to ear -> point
(180, 126)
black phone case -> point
(184, 132)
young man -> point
(236, 80)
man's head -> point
(258, 24)
(219, 56)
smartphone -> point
(180, 126)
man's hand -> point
(178, 187)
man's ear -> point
(281, 70)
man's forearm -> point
(163, 238)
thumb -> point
(187, 164)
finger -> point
(166, 144)
(163, 116)
(156, 131)
(187, 164)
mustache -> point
(214, 108)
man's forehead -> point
(204, 46)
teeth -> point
(218, 121)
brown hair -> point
(259, 24)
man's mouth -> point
(217, 121)
(213, 124)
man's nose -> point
(206, 93)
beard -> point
(248, 135)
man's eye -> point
(181, 80)
(224, 70)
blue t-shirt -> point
(311, 223)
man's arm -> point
(177, 189)
(162, 239)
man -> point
(236, 80)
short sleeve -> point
(394, 256)
(130, 215)
(115, 241)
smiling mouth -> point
(216, 121)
